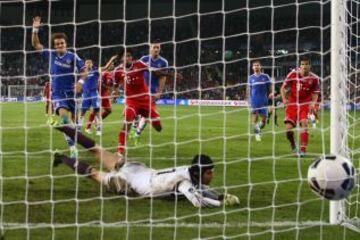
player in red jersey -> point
(130, 74)
(47, 98)
(303, 88)
(105, 89)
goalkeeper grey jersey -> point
(146, 181)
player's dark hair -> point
(256, 61)
(199, 164)
(59, 35)
(127, 50)
(305, 58)
(156, 41)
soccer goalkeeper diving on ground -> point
(134, 178)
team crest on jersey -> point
(159, 65)
(68, 61)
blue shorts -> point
(262, 111)
(90, 100)
(63, 99)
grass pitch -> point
(39, 201)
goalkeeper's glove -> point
(230, 200)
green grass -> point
(268, 179)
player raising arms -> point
(258, 90)
(134, 178)
(303, 87)
(155, 83)
(105, 88)
(63, 68)
(130, 74)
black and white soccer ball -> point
(331, 177)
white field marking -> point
(167, 225)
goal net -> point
(212, 45)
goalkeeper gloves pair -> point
(230, 200)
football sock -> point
(81, 138)
(156, 125)
(257, 128)
(268, 118)
(262, 124)
(275, 118)
(141, 126)
(80, 122)
(70, 141)
(78, 166)
(91, 119)
(98, 123)
(105, 114)
(122, 141)
(290, 137)
(304, 138)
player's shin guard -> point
(290, 137)
(304, 139)
(122, 141)
(81, 138)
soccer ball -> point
(331, 177)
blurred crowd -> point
(214, 62)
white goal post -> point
(267, 176)
(344, 67)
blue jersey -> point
(259, 90)
(151, 80)
(92, 82)
(63, 70)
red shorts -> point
(106, 102)
(297, 113)
(134, 108)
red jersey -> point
(133, 80)
(301, 88)
(106, 83)
(47, 90)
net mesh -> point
(212, 44)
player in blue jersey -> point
(64, 66)
(155, 82)
(90, 96)
(259, 88)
